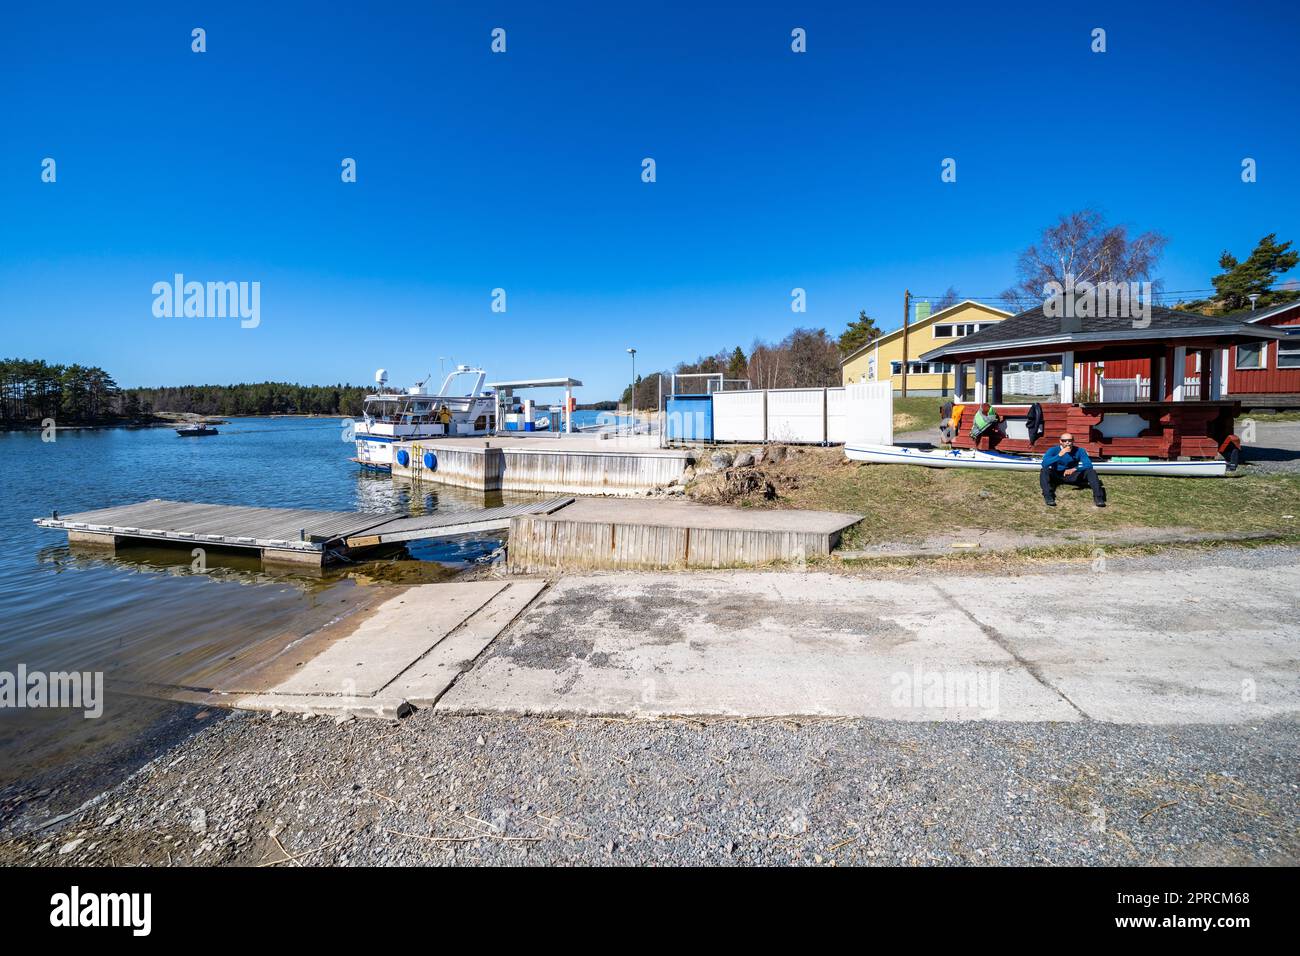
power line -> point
(1026, 297)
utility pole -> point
(632, 352)
(907, 311)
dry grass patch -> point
(907, 502)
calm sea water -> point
(144, 614)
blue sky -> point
(522, 171)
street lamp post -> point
(632, 352)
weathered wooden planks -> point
(280, 534)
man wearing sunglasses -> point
(1066, 464)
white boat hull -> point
(968, 458)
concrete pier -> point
(569, 464)
(602, 533)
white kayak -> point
(969, 458)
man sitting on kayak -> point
(1065, 464)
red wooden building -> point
(1259, 374)
(1178, 416)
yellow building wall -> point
(920, 339)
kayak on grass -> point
(970, 458)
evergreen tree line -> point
(258, 398)
(32, 390)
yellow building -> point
(883, 357)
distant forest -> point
(34, 390)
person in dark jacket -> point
(1064, 464)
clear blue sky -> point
(522, 171)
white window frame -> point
(915, 367)
(1263, 358)
(1289, 348)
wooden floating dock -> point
(280, 535)
(558, 533)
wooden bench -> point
(1186, 431)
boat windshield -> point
(405, 410)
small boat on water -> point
(968, 458)
(201, 430)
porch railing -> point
(1138, 389)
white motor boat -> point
(970, 458)
(413, 414)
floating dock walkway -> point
(559, 533)
(280, 535)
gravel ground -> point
(438, 789)
(1276, 448)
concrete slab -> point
(748, 644)
(389, 641)
(1213, 643)
(406, 652)
(1201, 642)
(425, 681)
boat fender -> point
(403, 458)
(430, 461)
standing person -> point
(1064, 464)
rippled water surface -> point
(144, 614)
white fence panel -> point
(740, 416)
(796, 415)
(869, 413)
(1138, 389)
(862, 413)
(837, 416)
(1122, 389)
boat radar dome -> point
(381, 376)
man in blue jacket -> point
(1064, 464)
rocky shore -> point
(265, 790)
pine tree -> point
(738, 366)
(1240, 280)
(860, 331)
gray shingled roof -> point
(1033, 328)
(1261, 314)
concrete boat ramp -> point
(404, 654)
(814, 644)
